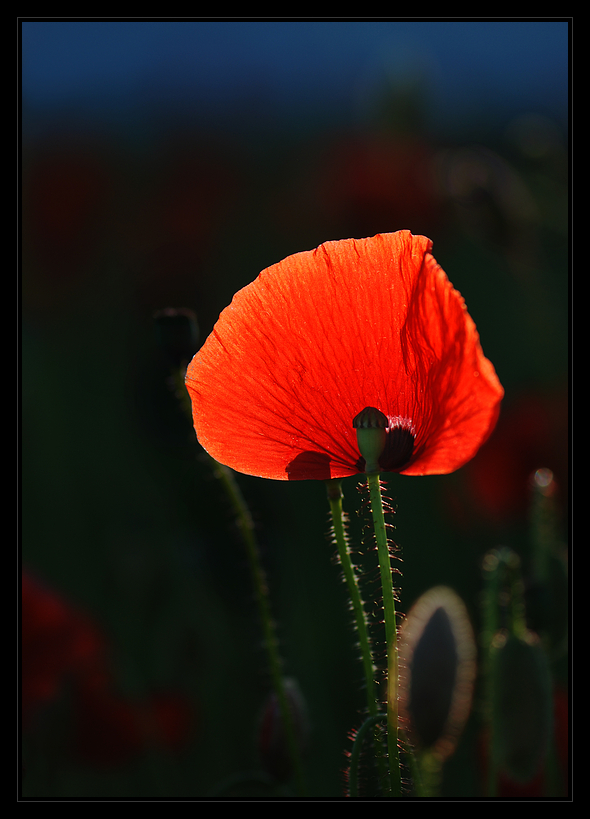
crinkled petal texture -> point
(325, 333)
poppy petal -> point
(325, 333)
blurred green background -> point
(165, 165)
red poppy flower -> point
(320, 336)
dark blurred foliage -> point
(122, 518)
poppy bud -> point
(178, 334)
(272, 740)
(437, 670)
(371, 434)
(547, 588)
(522, 714)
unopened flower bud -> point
(437, 671)
(523, 705)
(272, 741)
(178, 334)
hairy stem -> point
(334, 488)
(356, 750)
(390, 631)
(246, 527)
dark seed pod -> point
(437, 671)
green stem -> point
(504, 607)
(335, 499)
(491, 624)
(356, 750)
(413, 763)
(429, 774)
(334, 488)
(246, 527)
(390, 631)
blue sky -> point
(518, 64)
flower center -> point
(385, 443)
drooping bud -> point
(371, 434)
(178, 334)
(272, 741)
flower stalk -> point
(246, 528)
(369, 723)
(390, 631)
(334, 488)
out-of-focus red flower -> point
(172, 720)
(531, 434)
(58, 643)
(561, 731)
(379, 179)
(326, 333)
(110, 729)
(66, 195)
(106, 727)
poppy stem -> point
(356, 751)
(390, 630)
(246, 527)
(334, 488)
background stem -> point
(246, 526)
